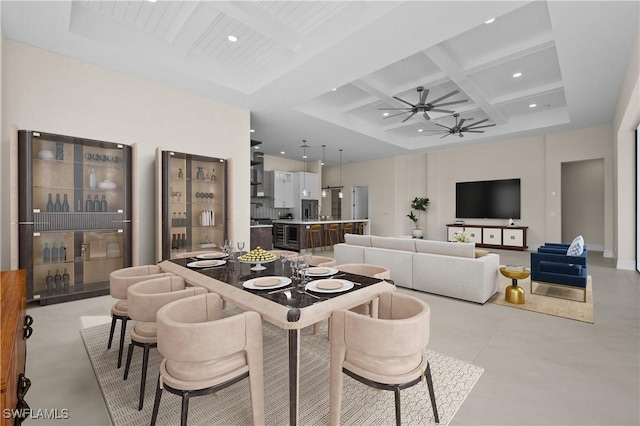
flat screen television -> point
(488, 199)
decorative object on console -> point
(419, 204)
(461, 237)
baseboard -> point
(608, 253)
(629, 265)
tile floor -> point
(539, 369)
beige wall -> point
(625, 121)
(535, 160)
(51, 93)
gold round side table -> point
(513, 293)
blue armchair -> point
(552, 266)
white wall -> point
(55, 94)
(625, 121)
(394, 182)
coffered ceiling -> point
(322, 71)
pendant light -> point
(304, 156)
(340, 194)
(324, 191)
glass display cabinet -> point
(192, 200)
(75, 214)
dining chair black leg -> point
(143, 381)
(122, 333)
(113, 329)
(129, 356)
(156, 403)
(396, 391)
(185, 409)
(432, 394)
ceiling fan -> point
(423, 106)
(459, 129)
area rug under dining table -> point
(453, 380)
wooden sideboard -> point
(16, 328)
(492, 236)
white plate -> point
(328, 271)
(252, 283)
(313, 286)
(206, 263)
(212, 255)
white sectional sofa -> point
(448, 269)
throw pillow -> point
(480, 253)
(576, 247)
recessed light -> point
(533, 105)
(334, 89)
(152, 1)
(518, 74)
(420, 130)
(385, 114)
(282, 152)
(256, 147)
(304, 156)
(252, 130)
(232, 38)
(490, 21)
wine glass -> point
(240, 246)
(283, 260)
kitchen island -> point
(291, 234)
(261, 236)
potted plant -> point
(419, 204)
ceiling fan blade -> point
(426, 116)
(435, 101)
(412, 114)
(442, 110)
(445, 135)
(478, 122)
(395, 115)
(403, 101)
(472, 131)
(449, 103)
(480, 127)
(423, 96)
(442, 125)
(390, 109)
(462, 121)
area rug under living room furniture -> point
(453, 381)
(292, 312)
(559, 305)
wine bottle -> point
(93, 179)
(89, 204)
(57, 281)
(183, 242)
(65, 279)
(103, 204)
(46, 253)
(49, 282)
(58, 205)
(96, 204)
(63, 252)
(50, 206)
(65, 204)
(173, 241)
(83, 251)
(54, 253)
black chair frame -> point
(145, 362)
(123, 330)
(186, 394)
(398, 387)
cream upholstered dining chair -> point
(387, 352)
(145, 298)
(119, 282)
(204, 353)
(373, 271)
(318, 260)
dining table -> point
(291, 307)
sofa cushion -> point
(358, 240)
(576, 247)
(404, 244)
(446, 248)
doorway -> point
(360, 202)
(582, 186)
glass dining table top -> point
(291, 295)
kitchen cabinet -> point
(283, 189)
(191, 203)
(75, 214)
(306, 180)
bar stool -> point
(332, 230)
(347, 229)
(315, 233)
(361, 228)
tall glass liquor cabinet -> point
(192, 203)
(75, 214)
